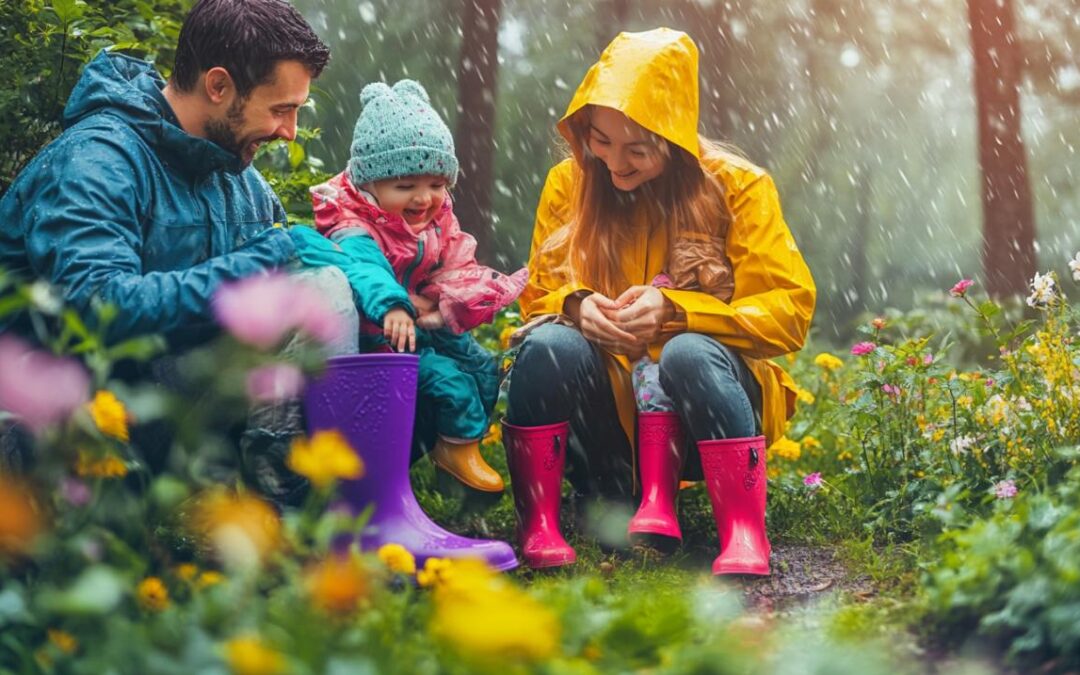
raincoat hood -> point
(132, 90)
(652, 78)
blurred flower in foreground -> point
(152, 594)
(263, 309)
(1043, 290)
(109, 415)
(397, 558)
(275, 382)
(337, 584)
(63, 640)
(37, 387)
(786, 448)
(109, 466)
(19, 520)
(1005, 489)
(863, 348)
(813, 481)
(242, 529)
(325, 458)
(482, 615)
(494, 434)
(247, 655)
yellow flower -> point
(186, 571)
(242, 528)
(109, 415)
(63, 640)
(504, 337)
(786, 448)
(324, 459)
(152, 594)
(494, 434)
(109, 466)
(397, 558)
(434, 571)
(845, 456)
(805, 396)
(827, 361)
(337, 585)
(247, 655)
(485, 617)
(209, 578)
(810, 442)
(19, 519)
(791, 357)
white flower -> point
(1042, 290)
(1074, 266)
(959, 446)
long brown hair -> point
(686, 198)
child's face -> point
(415, 198)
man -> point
(147, 200)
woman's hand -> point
(595, 319)
(399, 330)
(422, 304)
(642, 311)
(430, 320)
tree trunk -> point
(1008, 217)
(475, 137)
(611, 18)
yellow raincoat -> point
(652, 77)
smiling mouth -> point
(624, 175)
(415, 213)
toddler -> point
(413, 269)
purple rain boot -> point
(371, 399)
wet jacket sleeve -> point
(372, 278)
(84, 234)
(549, 281)
(769, 313)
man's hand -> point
(642, 311)
(596, 321)
(399, 329)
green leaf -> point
(296, 154)
(98, 590)
(68, 10)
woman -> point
(641, 180)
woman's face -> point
(633, 154)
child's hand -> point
(431, 321)
(399, 330)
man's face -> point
(267, 113)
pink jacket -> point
(439, 262)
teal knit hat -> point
(400, 134)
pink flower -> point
(813, 481)
(989, 382)
(262, 310)
(961, 288)
(890, 390)
(37, 387)
(863, 348)
(1005, 489)
(74, 491)
(928, 359)
(275, 382)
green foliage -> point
(1012, 578)
(43, 48)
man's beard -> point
(226, 132)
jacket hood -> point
(131, 89)
(652, 78)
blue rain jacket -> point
(127, 207)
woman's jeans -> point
(559, 375)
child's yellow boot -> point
(464, 462)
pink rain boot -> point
(660, 457)
(735, 475)
(536, 457)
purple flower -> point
(1005, 489)
(863, 348)
(813, 481)
(75, 492)
(261, 310)
(961, 288)
(275, 382)
(38, 387)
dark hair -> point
(247, 38)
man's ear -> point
(218, 84)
